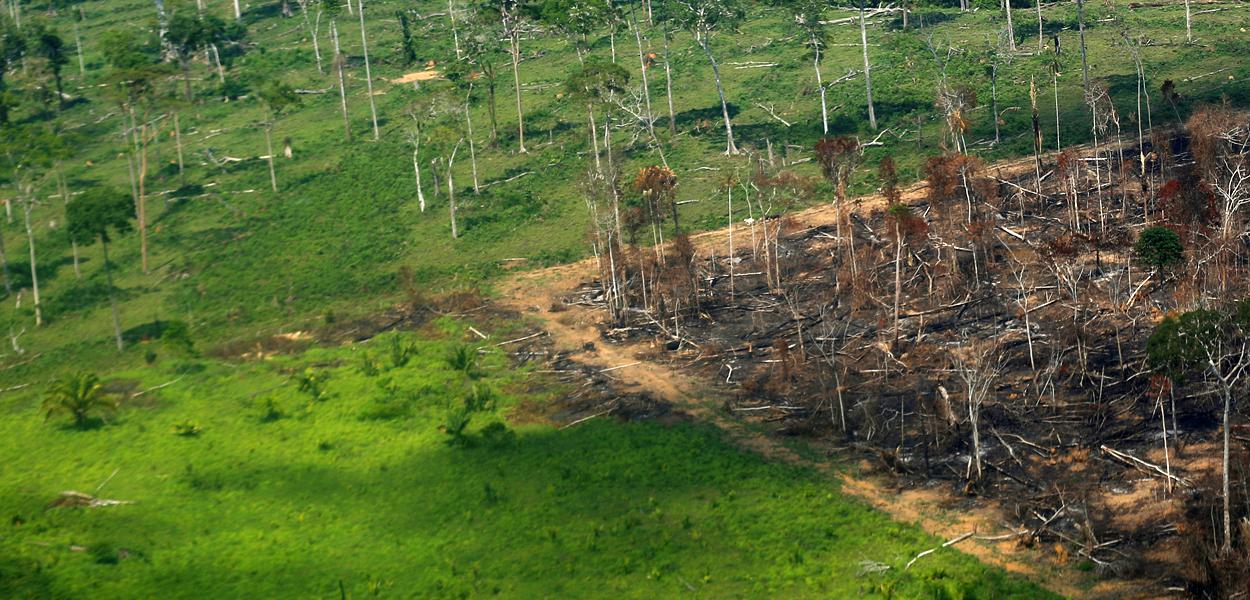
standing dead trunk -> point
(1080, 22)
(863, 38)
(1189, 32)
(108, 277)
(273, 177)
(646, 89)
(1011, 29)
(824, 106)
(898, 275)
(4, 265)
(468, 121)
(416, 169)
(451, 190)
(338, 65)
(514, 46)
(30, 242)
(142, 211)
(82, 68)
(178, 146)
(668, 85)
(364, 47)
(730, 147)
(1041, 40)
(221, 71)
(237, 13)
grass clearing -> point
(281, 495)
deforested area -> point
(1062, 337)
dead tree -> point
(977, 365)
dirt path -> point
(574, 328)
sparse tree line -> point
(143, 68)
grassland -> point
(281, 495)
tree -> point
(78, 395)
(482, 48)
(576, 20)
(863, 38)
(510, 14)
(364, 47)
(49, 46)
(1159, 247)
(12, 46)
(277, 97)
(462, 77)
(595, 83)
(808, 15)
(977, 366)
(187, 35)
(99, 214)
(332, 9)
(703, 19)
(1215, 345)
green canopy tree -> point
(278, 97)
(576, 20)
(12, 46)
(1159, 247)
(99, 214)
(188, 34)
(703, 19)
(49, 46)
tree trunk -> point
(4, 265)
(1080, 21)
(824, 107)
(668, 86)
(108, 277)
(34, 269)
(1228, 524)
(316, 27)
(82, 67)
(1011, 29)
(238, 14)
(898, 276)
(455, 35)
(416, 169)
(646, 89)
(221, 71)
(364, 47)
(490, 107)
(1041, 42)
(451, 191)
(142, 212)
(994, 99)
(515, 51)
(863, 38)
(186, 77)
(468, 121)
(178, 146)
(273, 177)
(338, 64)
(1189, 32)
(730, 147)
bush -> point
(314, 384)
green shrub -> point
(463, 359)
(401, 352)
(313, 383)
(1159, 247)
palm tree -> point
(78, 395)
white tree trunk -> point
(730, 147)
(338, 64)
(863, 38)
(273, 177)
(515, 50)
(824, 107)
(238, 14)
(364, 46)
(416, 169)
(34, 269)
(468, 121)
(451, 191)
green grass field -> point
(280, 495)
